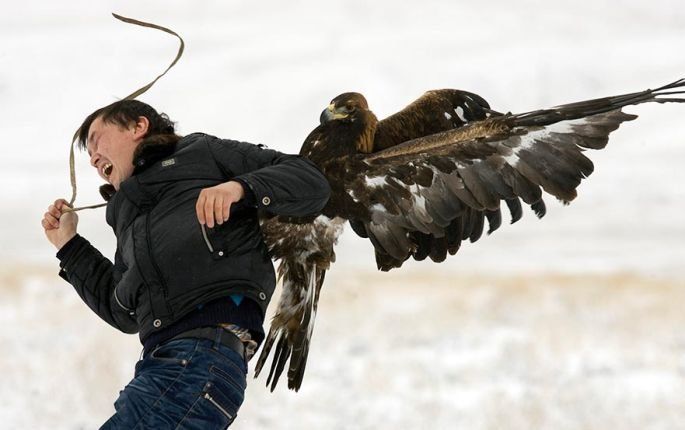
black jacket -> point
(165, 265)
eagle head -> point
(345, 107)
(351, 112)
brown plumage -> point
(424, 180)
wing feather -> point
(494, 220)
(501, 161)
(520, 185)
(515, 209)
(453, 234)
(485, 192)
(433, 112)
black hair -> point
(125, 112)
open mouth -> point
(107, 170)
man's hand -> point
(214, 203)
(59, 226)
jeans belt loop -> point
(217, 341)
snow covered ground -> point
(570, 322)
(394, 351)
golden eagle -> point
(420, 182)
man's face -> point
(111, 146)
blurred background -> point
(570, 322)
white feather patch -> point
(419, 200)
(375, 181)
(564, 126)
(377, 207)
(529, 139)
(460, 113)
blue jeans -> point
(182, 384)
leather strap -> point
(133, 95)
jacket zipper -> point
(152, 258)
(130, 311)
(204, 235)
(221, 408)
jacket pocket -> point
(215, 246)
(205, 236)
(173, 352)
(130, 308)
(230, 239)
(127, 291)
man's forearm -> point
(293, 187)
(92, 276)
(282, 184)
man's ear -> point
(141, 127)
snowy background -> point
(571, 322)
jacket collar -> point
(152, 149)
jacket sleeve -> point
(94, 278)
(281, 184)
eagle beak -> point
(330, 114)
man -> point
(191, 274)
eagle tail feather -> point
(302, 338)
(281, 354)
(266, 349)
(293, 324)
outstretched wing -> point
(426, 196)
(433, 112)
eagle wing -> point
(433, 112)
(425, 196)
(428, 195)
